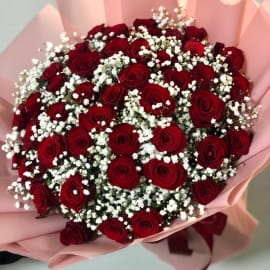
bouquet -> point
(134, 133)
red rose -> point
(136, 46)
(157, 100)
(195, 33)
(212, 151)
(96, 29)
(149, 24)
(98, 117)
(205, 106)
(57, 112)
(240, 88)
(51, 71)
(124, 140)
(114, 46)
(78, 141)
(203, 75)
(33, 104)
(20, 118)
(29, 142)
(122, 173)
(234, 58)
(144, 22)
(25, 168)
(145, 223)
(56, 83)
(165, 175)
(170, 139)
(114, 229)
(162, 56)
(113, 95)
(205, 191)
(75, 233)
(83, 91)
(118, 29)
(83, 64)
(174, 33)
(180, 78)
(49, 149)
(194, 47)
(72, 193)
(238, 142)
(218, 48)
(80, 48)
(134, 76)
(16, 161)
(43, 198)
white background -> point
(14, 16)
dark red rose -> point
(149, 24)
(23, 168)
(180, 78)
(29, 142)
(51, 71)
(118, 29)
(145, 223)
(56, 83)
(174, 33)
(205, 106)
(78, 141)
(20, 118)
(122, 173)
(165, 175)
(162, 56)
(170, 139)
(83, 91)
(113, 95)
(75, 233)
(49, 149)
(234, 58)
(124, 140)
(114, 229)
(80, 48)
(98, 117)
(218, 48)
(195, 33)
(43, 198)
(16, 161)
(33, 104)
(152, 96)
(96, 29)
(83, 64)
(114, 46)
(205, 191)
(136, 46)
(203, 75)
(134, 76)
(144, 22)
(57, 111)
(212, 151)
(240, 88)
(194, 47)
(72, 193)
(238, 142)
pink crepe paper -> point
(240, 23)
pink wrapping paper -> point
(240, 23)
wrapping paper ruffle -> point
(246, 27)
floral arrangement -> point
(130, 128)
